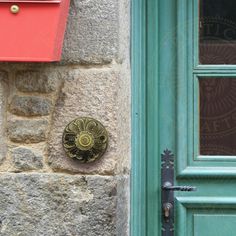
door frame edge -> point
(138, 96)
(145, 214)
(138, 137)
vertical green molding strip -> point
(138, 58)
(154, 33)
(153, 154)
(145, 215)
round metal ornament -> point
(85, 139)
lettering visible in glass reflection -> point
(217, 30)
(217, 116)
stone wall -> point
(42, 191)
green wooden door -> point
(188, 95)
(205, 117)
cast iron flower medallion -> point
(85, 139)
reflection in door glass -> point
(217, 30)
(217, 116)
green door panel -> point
(211, 210)
(214, 223)
(205, 216)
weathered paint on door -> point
(170, 100)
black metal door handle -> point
(169, 187)
(167, 192)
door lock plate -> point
(167, 197)
(168, 188)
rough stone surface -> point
(123, 212)
(37, 81)
(97, 90)
(30, 106)
(57, 204)
(25, 159)
(92, 35)
(124, 121)
(3, 97)
(27, 131)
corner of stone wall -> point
(44, 192)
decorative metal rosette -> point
(85, 139)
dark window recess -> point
(217, 30)
(217, 116)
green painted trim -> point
(145, 217)
(153, 154)
(187, 207)
(138, 62)
(203, 202)
(153, 34)
(184, 113)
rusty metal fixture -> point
(85, 139)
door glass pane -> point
(217, 116)
(217, 30)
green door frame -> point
(153, 24)
(145, 219)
